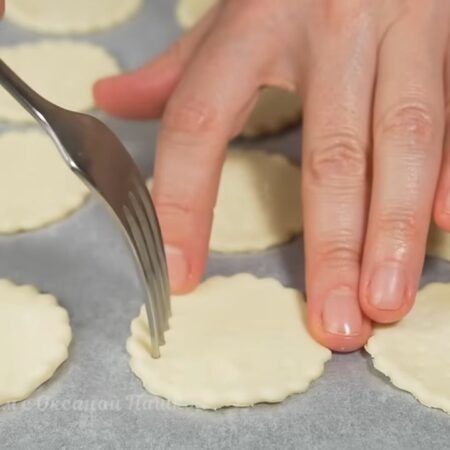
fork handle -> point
(36, 105)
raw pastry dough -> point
(275, 110)
(438, 243)
(36, 187)
(415, 353)
(61, 71)
(69, 16)
(232, 342)
(34, 339)
(259, 202)
(189, 12)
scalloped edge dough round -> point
(259, 203)
(36, 187)
(234, 341)
(52, 68)
(68, 16)
(34, 339)
(415, 353)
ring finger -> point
(442, 199)
(408, 135)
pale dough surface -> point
(61, 71)
(234, 341)
(36, 187)
(189, 12)
(69, 16)
(415, 353)
(34, 338)
(275, 110)
(438, 243)
(259, 202)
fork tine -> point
(96, 155)
(151, 263)
(157, 242)
(139, 249)
(155, 260)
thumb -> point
(143, 93)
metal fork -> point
(96, 155)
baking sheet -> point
(95, 402)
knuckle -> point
(339, 252)
(179, 218)
(340, 14)
(238, 14)
(400, 224)
(176, 217)
(192, 116)
(173, 208)
(409, 123)
(176, 203)
(339, 157)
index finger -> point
(208, 105)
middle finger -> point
(336, 142)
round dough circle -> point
(36, 187)
(259, 202)
(189, 12)
(61, 71)
(275, 110)
(68, 16)
(34, 339)
(415, 353)
(438, 244)
(234, 341)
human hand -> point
(374, 78)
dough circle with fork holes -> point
(34, 338)
(415, 352)
(63, 72)
(36, 186)
(69, 16)
(234, 341)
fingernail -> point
(178, 267)
(341, 313)
(387, 288)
